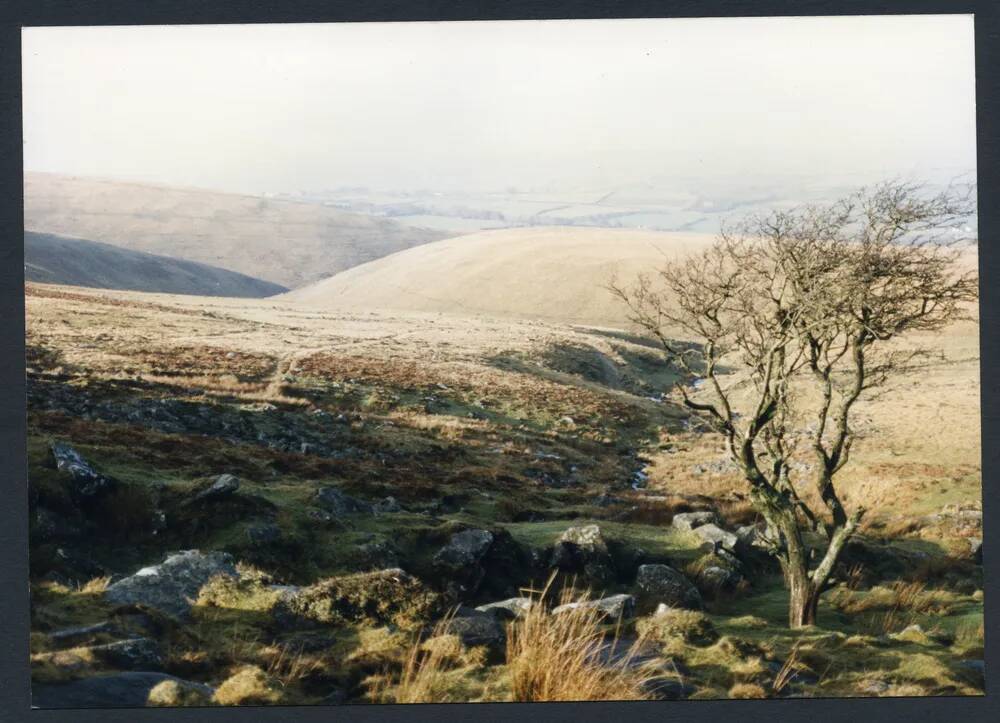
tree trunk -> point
(803, 599)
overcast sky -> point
(497, 104)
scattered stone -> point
(509, 609)
(976, 549)
(225, 485)
(477, 628)
(719, 538)
(460, 560)
(718, 578)
(121, 690)
(340, 503)
(87, 482)
(82, 633)
(465, 548)
(663, 584)
(615, 607)
(690, 520)
(132, 654)
(171, 585)
(583, 551)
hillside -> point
(78, 262)
(341, 458)
(551, 273)
(284, 242)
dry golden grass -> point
(436, 669)
(95, 585)
(248, 686)
(559, 658)
(747, 691)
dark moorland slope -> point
(78, 262)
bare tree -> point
(794, 315)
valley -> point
(342, 479)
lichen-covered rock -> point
(86, 482)
(172, 585)
(614, 607)
(690, 520)
(477, 628)
(340, 503)
(131, 654)
(509, 609)
(377, 598)
(582, 551)
(460, 561)
(225, 485)
(465, 548)
(663, 584)
(717, 537)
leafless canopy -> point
(810, 296)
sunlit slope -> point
(284, 242)
(546, 273)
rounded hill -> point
(555, 273)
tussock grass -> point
(747, 691)
(170, 694)
(690, 626)
(559, 658)
(248, 686)
(436, 669)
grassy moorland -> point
(390, 472)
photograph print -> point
(503, 361)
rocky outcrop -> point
(688, 521)
(582, 551)
(716, 537)
(376, 598)
(477, 628)
(171, 585)
(131, 654)
(85, 481)
(225, 485)
(461, 559)
(662, 584)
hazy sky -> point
(497, 104)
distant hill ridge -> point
(553, 273)
(78, 262)
(285, 242)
